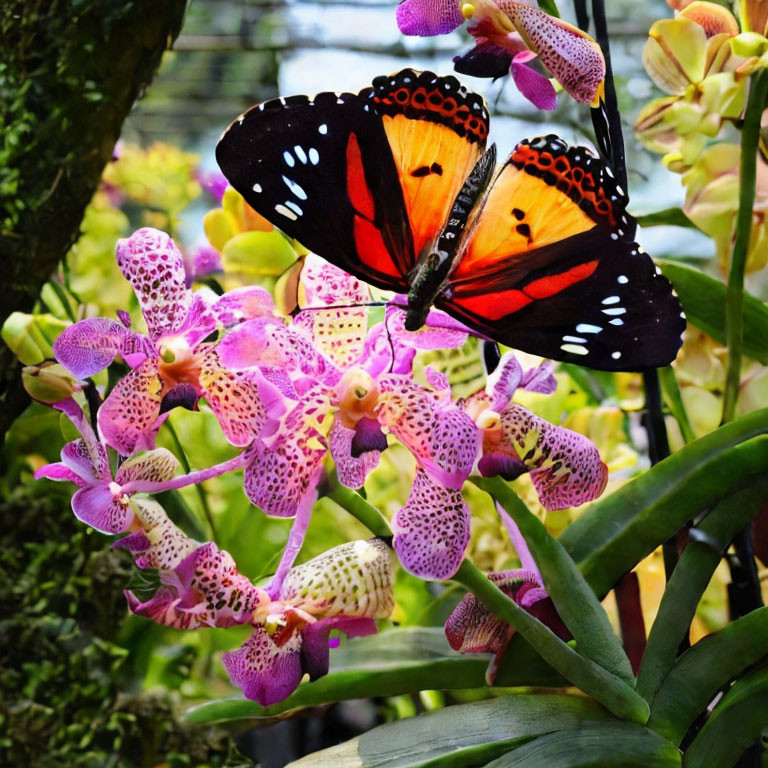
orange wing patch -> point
(432, 163)
(521, 213)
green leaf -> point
(550, 7)
(575, 601)
(258, 253)
(617, 532)
(390, 663)
(736, 722)
(611, 691)
(704, 669)
(703, 300)
(602, 745)
(668, 217)
(698, 562)
(462, 735)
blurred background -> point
(83, 684)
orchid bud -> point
(48, 382)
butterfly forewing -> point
(321, 171)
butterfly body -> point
(394, 186)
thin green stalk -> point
(187, 469)
(358, 507)
(674, 398)
(734, 308)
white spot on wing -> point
(294, 207)
(288, 157)
(615, 355)
(287, 212)
(297, 189)
(615, 311)
(323, 129)
(257, 187)
(301, 154)
(587, 328)
(616, 321)
(314, 156)
(574, 349)
(611, 300)
(622, 279)
(575, 339)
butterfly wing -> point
(547, 266)
(364, 180)
(321, 171)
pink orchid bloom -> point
(172, 365)
(509, 35)
(338, 391)
(100, 500)
(565, 467)
(473, 628)
(345, 589)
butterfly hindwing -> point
(547, 266)
(321, 171)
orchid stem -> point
(734, 305)
(198, 488)
(293, 545)
(358, 507)
(191, 478)
(527, 563)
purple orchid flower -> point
(100, 500)
(173, 365)
(337, 391)
(473, 628)
(344, 589)
(213, 182)
(509, 35)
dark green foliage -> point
(70, 72)
(62, 675)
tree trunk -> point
(70, 70)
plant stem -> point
(734, 307)
(191, 478)
(295, 538)
(358, 507)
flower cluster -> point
(509, 36)
(291, 392)
(703, 59)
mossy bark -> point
(70, 70)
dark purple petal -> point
(484, 60)
(431, 530)
(534, 86)
(352, 470)
(428, 17)
(315, 646)
(508, 467)
(368, 437)
(181, 396)
(267, 673)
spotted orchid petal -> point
(159, 544)
(443, 438)
(509, 377)
(89, 346)
(158, 466)
(204, 590)
(534, 86)
(242, 304)
(565, 467)
(243, 402)
(354, 579)
(154, 266)
(572, 57)
(266, 672)
(473, 628)
(351, 470)
(86, 459)
(437, 379)
(279, 476)
(269, 342)
(426, 18)
(339, 334)
(128, 417)
(431, 530)
(484, 60)
(96, 505)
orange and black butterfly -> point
(393, 185)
